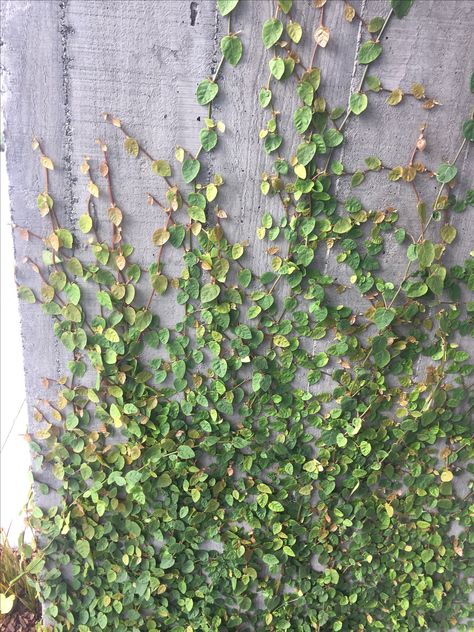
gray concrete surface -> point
(66, 62)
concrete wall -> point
(68, 61)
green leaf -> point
(25, 294)
(185, 452)
(197, 214)
(357, 178)
(277, 67)
(272, 142)
(271, 32)
(446, 173)
(369, 52)
(384, 316)
(177, 235)
(83, 548)
(208, 138)
(343, 225)
(85, 223)
(448, 233)
(305, 153)
(270, 559)
(358, 102)
(167, 560)
(373, 163)
(285, 5)
(401, 7)
(375, 24)
(333, 137)
(294, 31)
(190, 169)
(373, 83)
(226, 6)
(341, 440)
(264, 97)
(209, 292)
(159, 283)
(468, 130)
(306, 92)
(276, 506)
(379, 348)
(206, 91)
(231, 48)
(302, 118)
(163, 480)
(426, 254)
(435, 281)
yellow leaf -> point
(395, 97)
(418, 91)
(160, 236)
(6, 603)
(281, 341)
(389, 509)
(408, 174)
(321, 36)
(46, 162)
(300, 171)
(131, 146)
(93, 189)
(84, 166)
(319, 3)
(211, 192)
(349, 12)
(447, 476)
(179, 154)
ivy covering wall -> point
(276, 460)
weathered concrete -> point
(68, 61)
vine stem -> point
(360, 86)
(315, 47)
(440, 192)
(158, 259)
(423, 232)
(54, 220)
(110, 192)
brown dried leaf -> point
(421, 144)
(115, 215)
(429, 104)
(121, 262)
(104, 169)
(321, 36)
